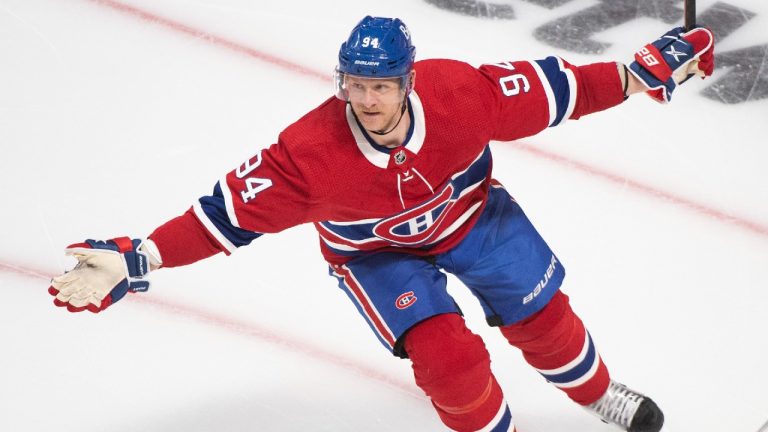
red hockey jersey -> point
(421, 197)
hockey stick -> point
(690, 14)
(764, 428)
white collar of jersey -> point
(414, 144)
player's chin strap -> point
(402, 112)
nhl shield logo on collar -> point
(400, 157)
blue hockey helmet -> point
(377, 48)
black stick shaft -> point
(690, 14)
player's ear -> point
(410, 82)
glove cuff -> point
(153, 253)
(661, 91)
(136, 264)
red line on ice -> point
(638, 187)
(216, 40)
(243, 328)
(643, 189)
(21, 271)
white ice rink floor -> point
(116, 116)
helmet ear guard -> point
(339, 87)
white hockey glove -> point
(105, 272)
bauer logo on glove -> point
(673, 59)
(105, 272)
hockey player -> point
(394, 172)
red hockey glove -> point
(105, 272)
(673, 59)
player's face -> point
(376, 101)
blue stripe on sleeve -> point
(216, 210)
(558, 82)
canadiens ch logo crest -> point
(419, 224)
(405, 300)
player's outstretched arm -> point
(669, 61)
(105, 272)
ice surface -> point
(112, 122)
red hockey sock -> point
(452, 366)
(555, 342)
